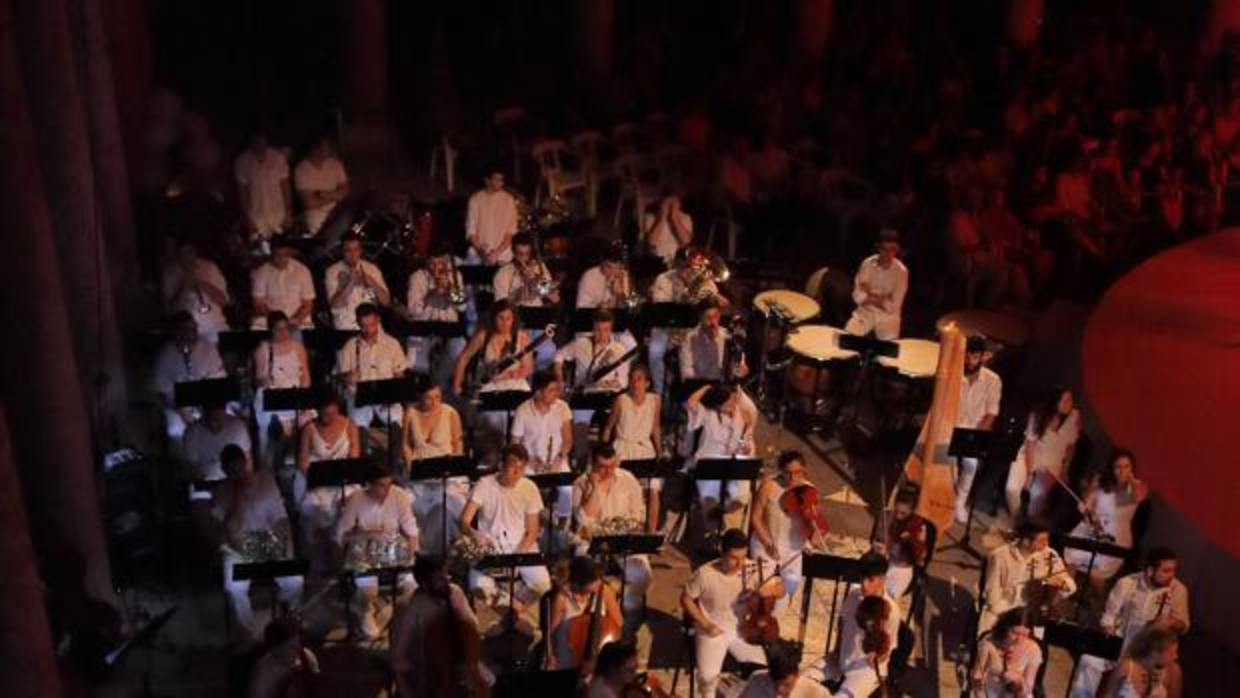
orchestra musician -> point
(261, 173)
(667, 229)
(782, 677)
(379, 511)
(1149, 667)
(903, 543)
(205, 438)
(321, 183)
(246, 503)
(1151, 597)
(686, 282)
(634, 431)
(1019, 573)
(615, 671)
(285, 666)
(714, 596)
(726, 417)
(499, 338)
(280, 362)
(607, 284)
(432, 429)
(705, 352)
(184, 358)
(980, 393)
(775, 535)
(371, 355)
(282, 283)
(543, 424)
(436, 293)
(609, 492)
(351, 282)
(1050, 442)
(491, 221)
(1007, 659)
(879, 289)
(586, 594)
(869, 625)
(330, 436)
(518, 280)
(590, 353)
(435, 643)
(1111, 502)
(194, 284)
(508, 507)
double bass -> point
(590, 631)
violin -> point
(800, 503)
(908, 535)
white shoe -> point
(962, 515)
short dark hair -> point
(542, 379)
(279, 241)
(1009, 619)
(366, 309)
(732, 539)
(716, 397)
(425, 567)
(782, 659)
(179, 318)
(602, 450)
(604, 315)
(1159, 554)
(230, 456)
(515, 450)
(1030, 529)
(887, 235)
(443, 248)
(329, 397)
(612, 656)
(615, 252)
(524, 239)
(583, 570)
(788, 457)
(975, 344)
(376, 471)
(872, 564)
(907, 495)
(350, 236)
(275, 317)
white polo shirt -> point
(378, 360)
(502, 510)
(326, 177)
(719, 594)
(979, 398)
(393, 515)
(588, 358)
(282, 289)
(622, 497)
(344, 317)
(541, 432)
(491, 217)
(593, 291)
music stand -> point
(512, 562)
(647, 468)
(583, 319)
(442, 468)
(1079, 641)
(477, 274)
(537, 316)
(625, 545)
(326, 339)
(297, 400)
(671, 316)
(268, 572)
(826, 567)
(551, 482)
(969, 443)
(242, 342)
(869, 345)
(387, 392)
(209, 392)
(339, 473)
(868, 349)
(506, 401)
(726, 470)
(1092, 546)
(591, 401)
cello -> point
(589, 631)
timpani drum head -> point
(918, 358)
(818, 342)
(798, 306)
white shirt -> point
(263, 181)
(979, 398)
(622, 497)
(172, 366)
(203, 445)
(670, 287)
(1007, 570)
(423, 304)
(510, 284)
(662, 239)
(379, 360)
(1133, 603)
(1052, 446)
(344, 317)
(490, 218)
(718, 594)
(724, 435)
(593, 291)
(541, 433)
(393, 515)
(311, 177)
(502, 510)
(582, 352)
(282, 289)
(259, 508)
(179, 294)
(891, 282)
(702, 356)
(761, 685)
(852, 656)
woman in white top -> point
(1007, 660)
(500, 337)
(432, 429)
(1050, 441)
(279, 362)
(331, 436)
(775, 535)
(726, 418)
(633, 426)
(1110, 505)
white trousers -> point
(867, 318)
(790, 574)
(709, 491)
(371, 611)
(860, 680)
(1039, 488)
(289, 592)
(1088, 676)
(965, 472)
(536, 579)
(657, 348)
(711, 652)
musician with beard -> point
(1151, 597)
(1014, 572)
(980, 393)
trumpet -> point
(456, 292)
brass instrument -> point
(617, 526)
(456, 292)
(371, 551)
(543, 283)
(707, 268)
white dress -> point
(319, 505)
(428, 494)
(788, 539)
(1115, 514)
(634, 428)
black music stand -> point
(441, 329)
(325, 339)
(625, 545)
(242, 342)
(268, 572)
(583, 319)
(512, 562)
(506, 401)
(969, 443)
(477, 274)
(538, 316)
(537, 682)
(726, 470)
(1079, 641)
(442, 468)
(387, 392)
(592, 401)
(1092, 546)
(867, 348)
(826, 567)
(338, 473)
(672, 316)
(209, 392)
(549, 483)
(297, 400)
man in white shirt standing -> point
(370, 356)
(508, 507)
(667, 229)
(879, 289)
(282, 283)
(196, 285)
(351, 282)
(321, 183)
(385, 512)
(262, 183)
(491, 222)
(185, 358)
(543, 424)
(980, 392)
